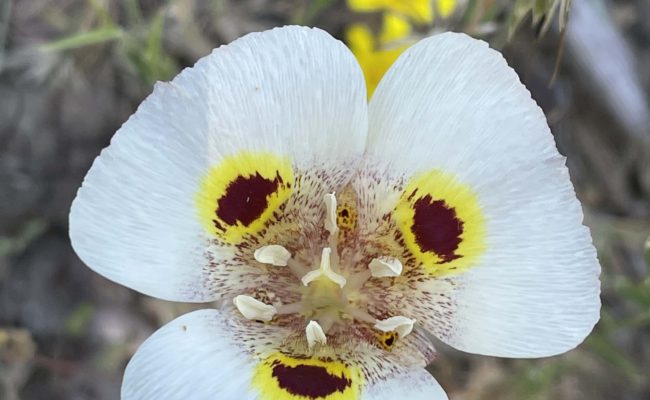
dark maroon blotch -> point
(437, 228)
(310, 381)
(246, 199)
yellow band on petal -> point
(281, 376)
(240, 194)
(442, 222)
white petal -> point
(400, 324)
(294, 92)
(384, 267)
(418, 384)
(273, 254)
(450, 103)
(192, 357)
(200, 356)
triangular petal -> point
(418, 384)
(193, 357)
(206, 355)
(462, 159)
(246, 119)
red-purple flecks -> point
(437, 228)
(310, 381)
(245, 199)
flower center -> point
(324, 294)
(329, 299)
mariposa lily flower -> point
(334, 235)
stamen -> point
(252, 308)
(324, 270)
(315, 334)
(332, 227)
(381, 267)
(356, 281)
(291, 308)
(384, 267)
(330, 217)
(400, 324)
(273, 254)
(297, 268)
(359, 314)
(326, 319)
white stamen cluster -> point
(316, 329)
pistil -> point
(325, 270)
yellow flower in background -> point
(394, 28)
(446, 7)
(376, 56)
(376, 53)
(420, 11)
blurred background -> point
(72, 71)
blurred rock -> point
(17, 351)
